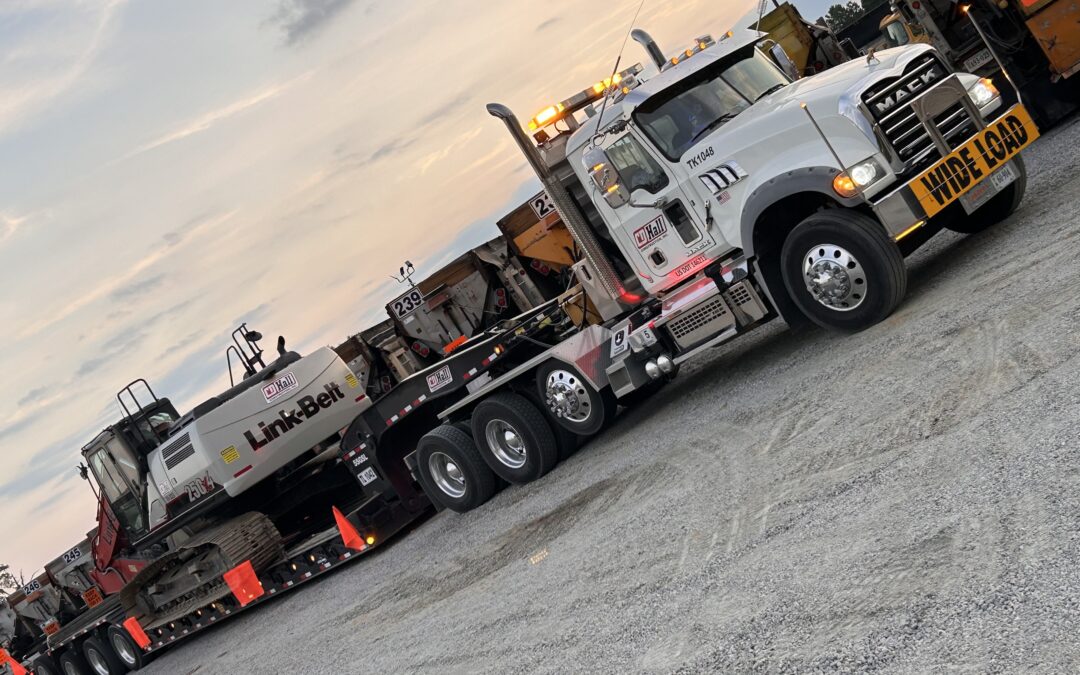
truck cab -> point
(722, 190)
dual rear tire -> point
(510, 437)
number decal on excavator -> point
(200, 487)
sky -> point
(170, 168)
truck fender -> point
(816, 182)
(810, 179)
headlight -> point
(983, 92)
(858, 177)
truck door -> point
(660, 229)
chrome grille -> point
(889, 103)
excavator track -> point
(201, 560)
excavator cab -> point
(117, 470)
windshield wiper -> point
(775, 87)
(712, 125)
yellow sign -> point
(230, 454)
(968, 165)
(351, 380)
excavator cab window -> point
(114, 474)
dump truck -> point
(1035, 44)
(811, 47)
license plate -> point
(980, 59)
(970, 164)
(368, 475)
(984, 191)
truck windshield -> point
(677, 118)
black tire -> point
(567, 441)
(446, 445)
(71, 662)
(878, 268)
(43, 665)
(514, 438)
(99, 655)
(1001, 206)
(123, 645)
(591, 410)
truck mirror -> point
(781, 58)
(606, 177)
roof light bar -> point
(553, 113)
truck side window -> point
(636, 167)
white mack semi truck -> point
(721, 192)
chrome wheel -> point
(567, 396)
(123, 650)
(97, 661)
(505, 443)
(70, 668)
(447, 474)
(834, 277)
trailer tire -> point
(1000, 206)
(842, 270)
(123, 645)
(43, 665)
(571, 400)
(71, 662)
(514, 438)
(452, 470)
(101, 658)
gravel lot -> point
(904, 499)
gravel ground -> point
(904, 499)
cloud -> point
(33, 395)
(548, 24)
(453, 105)
(110, 286)
(427, 161)
(137, 288)
(301, 19)
(21, 102)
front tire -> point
(43, 665)
(1001, 206)
(452, 470)
(842, 270)
(514, 438)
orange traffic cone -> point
(244, 583)
(349, 535)
(137, 633)
(7, 660)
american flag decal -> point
(722, 177)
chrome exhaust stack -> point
(646, 41)
(568, 210)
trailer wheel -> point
(452, 470)
(101, 658)
(514, 438)
(843, 270)
(123, 645)
(43, 665)
(73, 663)
(572, 401)
(1000, 206)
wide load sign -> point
(981, 156)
